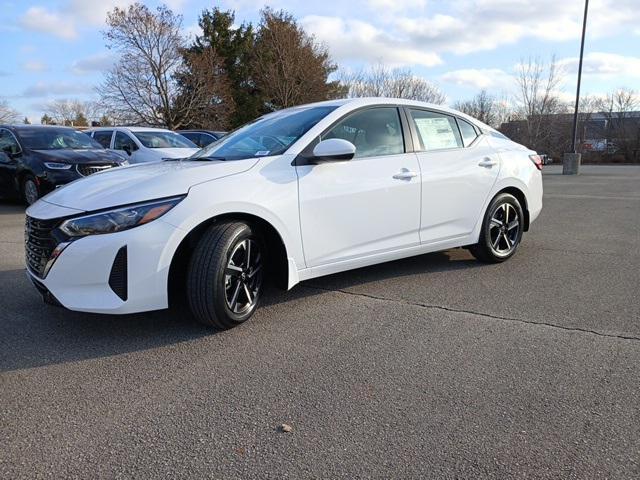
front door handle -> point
(405, 174)
(487, 162)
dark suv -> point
(35, 159)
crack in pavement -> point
(481, 314)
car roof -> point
(23, 126)
(131, 129)
(354, 103)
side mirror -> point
(4, 157)
(127, 148)
(334, 150)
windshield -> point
(48, 138)
(268, 135)
(164, 140)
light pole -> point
(571, 161)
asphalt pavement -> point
(432, 367)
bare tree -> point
(622, 128)
(7, 114)
(70, 112)
(537, 102)
(142, 87)
(290, 67)
(483, 107)
(381, 81)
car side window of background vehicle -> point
(103, 137)
(8, 143)
(124, 143)
(436, 131)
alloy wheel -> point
(243, 276)
(504, 229)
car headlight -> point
(118, 219)
(57, 166)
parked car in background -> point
(35, 159)
(144, 144)
(296, 194)
(202, 138)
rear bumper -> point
(88, 276)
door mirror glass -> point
(4, 158)
(334, 149)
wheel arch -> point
(522, 198)
(278, 261)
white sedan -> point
(297, 194)
(144, 144)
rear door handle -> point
(487, 162)
(405, 174)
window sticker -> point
(436, 133)
(262, 153)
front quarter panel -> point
(269, 191)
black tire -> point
(217, 275)
(499, 241)
(29, 189)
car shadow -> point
(33, 334)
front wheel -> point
(224, 282)
(30, 190)
(501, 231)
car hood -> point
(79, 156)
(142, 182)
(175, 152)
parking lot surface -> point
(434, 366)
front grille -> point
(39, 243)
(86, 169)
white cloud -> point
(361, 41)
(603, 64)
(72, 15)
(478, 79)
(34, 66)
(416, 32)
(99, 62)
(45, 89)
(39, 19)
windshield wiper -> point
(199, 159)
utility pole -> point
(571, 161)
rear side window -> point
(436, 131)
(469, 133)
(103, 137)
(375, 132)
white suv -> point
(296, 194)
(144, 144)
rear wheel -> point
(224, 281)
(501, 232)
(30, 190)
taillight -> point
(537, 161)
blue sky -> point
(53, 49)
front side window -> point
(103, 137)
(123, 141)
(374, 132)
(152, 139)
(51, 138)
(436, 131)
(271, 134)
(8, 143)
(469, 133)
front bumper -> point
(81, 277)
